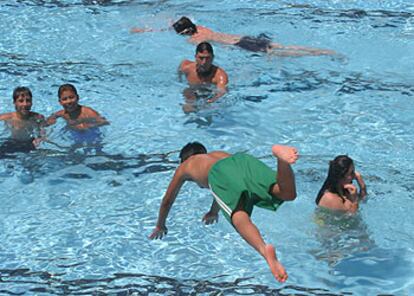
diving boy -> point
(25, 126)
(237, 182)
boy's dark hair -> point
(337, 170)
(191, 149)
(185, 26)
(205, 46)
(21, 89)
(67, 86)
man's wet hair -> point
(191, 149)
(205, 46)
(67, 86)
(185, 26)
(19, 90)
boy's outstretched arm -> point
(172, 191)
(212, 215)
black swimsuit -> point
(255, 44)
(11, 146)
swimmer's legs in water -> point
(294, 50)
(249, 232)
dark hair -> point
(205, 46)
(67, 86)
(191, 149)
(185, 26)
(337, 170)
(21, 89)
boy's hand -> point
(158, 232)
(210, 218)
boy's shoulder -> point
(88, 111)
(7, 116)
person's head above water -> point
(67, 87)
(191, 149)
(21, 91)
(205, 46)
(204, 59)
(184, 26)
(341, 172)
(22, 100)
(68, 97)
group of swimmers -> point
(238, 182)
(27, 128)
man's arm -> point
(183, 69)
(167, 202)
(221, 80)
(145, 30)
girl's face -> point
(349, 176)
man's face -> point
(204, 61)
(23, 103)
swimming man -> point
(197, 34)
(237, 182)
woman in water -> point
(338, 192)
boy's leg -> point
(285, 188)
(249, 232)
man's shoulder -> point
(220, 71)
(186, 65)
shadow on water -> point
(43, 162)
(344, 83)
(340, 236)
(22, 281)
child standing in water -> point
(238, 182)
(77, 117)
(338, 192)
(25, 126)
(82, 122)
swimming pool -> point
(77, 223)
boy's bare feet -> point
(285, 153)
(276, 268)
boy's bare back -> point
(197, 167)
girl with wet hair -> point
(338, 192)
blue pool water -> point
(73, 222)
